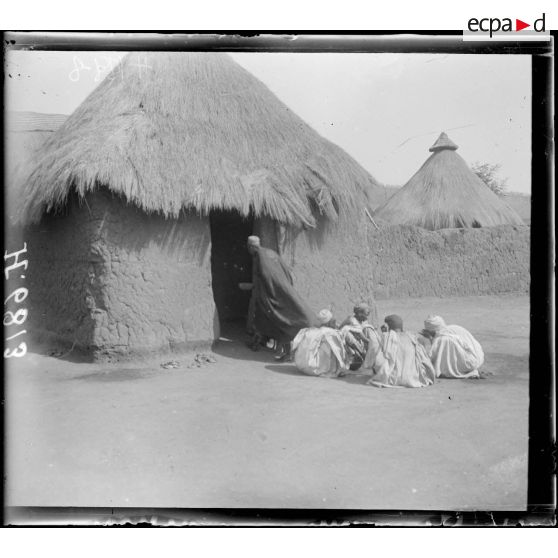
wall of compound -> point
(329, 264)
(355, 262)
(413, 262)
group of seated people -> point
(391, 356)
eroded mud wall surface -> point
(330, 266)
(413, 262)
(60, 278)
(119, 282)
(339, 267)
(153, 291)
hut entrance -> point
(231, 264)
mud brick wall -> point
(413, 262)
(59, 280)
(153, 291)
(331, 268)
(121, 282)
(114, 281)
(340, 267)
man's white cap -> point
(434, 323)
(324, 316)
(254, 240)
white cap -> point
(325, 316)
(434, 323)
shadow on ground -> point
(233, 343)
(503, 367)
(117, 375)
(288, 369)
(291, 370)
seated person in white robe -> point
(356, 331)
(397, 359)
(454, 352)
(320, 351)
(359, 317)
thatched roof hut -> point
(213, 137)
(139, 206)
(446, 193)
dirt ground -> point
(248, 432)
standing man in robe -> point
(454, 352)
(276, 310)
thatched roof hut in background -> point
(140, 204)
(446, 193)
(29, 121)
(25, 133)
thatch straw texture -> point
(25, 133)
(177, 130)
(445, 193)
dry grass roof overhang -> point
(445, 193)
(195, 130)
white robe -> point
(396, 359)
(356, 336)
(320, 351)
(455, 353)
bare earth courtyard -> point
(247, 432)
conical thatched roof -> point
(445, 193)
(195, 130)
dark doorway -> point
(231, 264)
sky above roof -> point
(385, 110)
